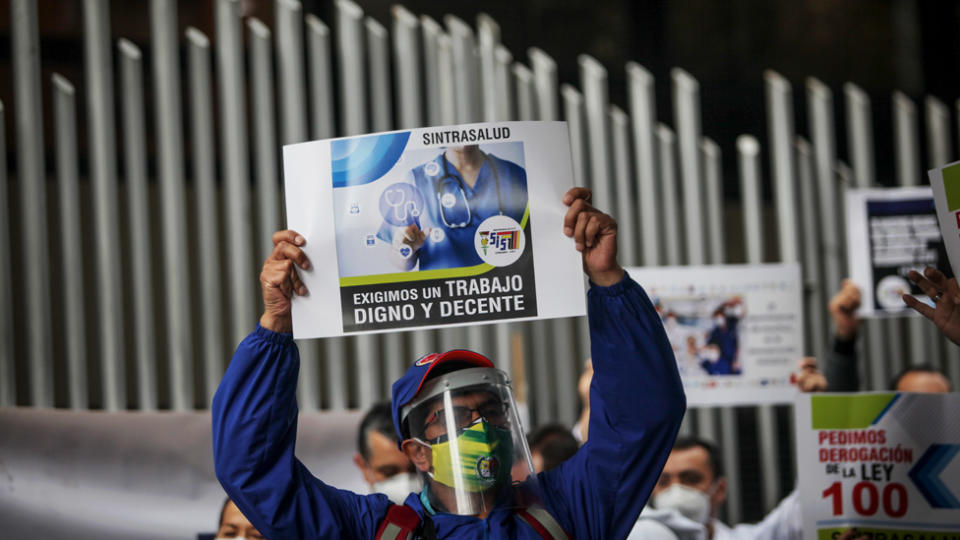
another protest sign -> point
(440, 226)
(736, 330)
(945, 182)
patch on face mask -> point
(487, 467)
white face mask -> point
(691, 503)
(398, 486)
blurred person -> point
(922, 378)
(945, 295)
(233, 524)
(551, 445)
(456, 420)
(384, 467)
(841, 366)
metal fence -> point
(155, 278)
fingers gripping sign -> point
(280, 281)
(945, 295)
(595, 236)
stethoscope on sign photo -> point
(449, 178)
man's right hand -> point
(843, 308)
(279, 280)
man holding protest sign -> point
(454, 408)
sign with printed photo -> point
(439, 226)
(736, 330)
(890, 232)
(885, 463)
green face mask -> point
(485, 457)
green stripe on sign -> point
(847, 412)
(951, 185)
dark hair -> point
(379, 418)
(713, 452)
(918, 368)
(554, 442)
(223, 510)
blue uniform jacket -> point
(636, 400)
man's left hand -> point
(595, 234)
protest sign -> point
(440, 226)
(885, 463)
(945, 182)
(890, 232)
(736, 330)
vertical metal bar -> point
(350, 58)
(138, 222)
(779, 103)
(643, 112)
(748, 157)
(627, 223)
(939, 150)
(71, 260)
(814, 302)
(206, 208)
(523, 82)
(368, 370)
(820, 120)
(290, 73)
(545, 84)
(99, 70)
(503, 78)
(465, 71)
(488, 37)
(264, 136)
(8, 397)
(446, 84)
(667, 159)
(431, 69)
(394, 359)
(378, 65)
(593, 81)
(712, 177)
(236, 174)
(322, 117)
(686, 117)
(907, 157)
(166, 81)
(573, 113)
(335, 382)
(408, 68)
(860, 149)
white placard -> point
(885, 463)
(491, 245)
(946, 193)
(890, 232)
(736, 330)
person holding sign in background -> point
(455, 419)
(455, 193)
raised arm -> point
(636, 398)
(254, 416)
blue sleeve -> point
(254, 417)
(636, 405)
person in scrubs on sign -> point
(433, 221)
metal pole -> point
(446, 84)
(488, 37)
(350, 57)
(378, 66)
(8, 389)
(290, 71)
(138, 222)
(264, 135)
(503, 78)
(643, 112)
(71, 260)
(748, 158)
(686, 114)
(523, 82)
(322, 117)
(100, 104)
(409, 69)
(814, 302)
(820, 119)
(860, 148)
(166, 81)
(431, 69)
(465, 71)
(667, 159)
(573, 107)
(942, 353)
(206, 208)
(593, 81)
(712, 177)
(627, 222)
(545, 84)
(234, 157)
(907, 153)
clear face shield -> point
(472, 449)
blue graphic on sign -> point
(926, 475)
(401, 204)
(361, 160)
